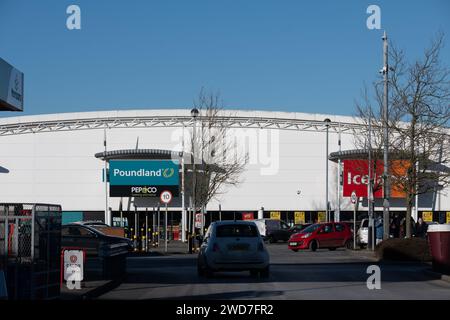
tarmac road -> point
(324, 274)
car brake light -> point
(216, 247)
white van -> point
(362, 236)
(273, 230)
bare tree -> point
(218, 162)
(372, 142)
(419, 115)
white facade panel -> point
(60, 167)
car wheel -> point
(264, 273)
(349, 244)
(313, 246)
(200, 271)
(362, 246)
(332, 249)
(254, 273)
(203, 270)
(208, 272)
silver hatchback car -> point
(233, 246)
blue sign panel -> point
(143, 172)
(11, 87)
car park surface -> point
(324, 274)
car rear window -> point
(311, 228)
(273, 224)
(234, 230)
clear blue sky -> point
(304, 56)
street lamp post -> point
(183, 195)
(327, 124)
(194, 114)
(337, 214)
(107, 215)
(386, 191)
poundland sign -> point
(143, 178)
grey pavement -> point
(324, 274)
(89, 289)
(173, 247)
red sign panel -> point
(356, 178)
(247, 216)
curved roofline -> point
(173, 112)
(153, 154)
(176, 118)
(139, 154)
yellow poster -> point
(448, 217)
(427, 216)
(322, 216)
(275, 215)
(299, 217)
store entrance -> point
(147, 228)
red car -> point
(330, 235)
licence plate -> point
(293, 243)
(238, 247)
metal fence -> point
(30, 245)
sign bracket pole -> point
(165, 231)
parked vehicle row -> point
(93, 241)
(273, 230)
(226, 245)
(330, 235)
(239, 245)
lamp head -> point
(194, 113)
